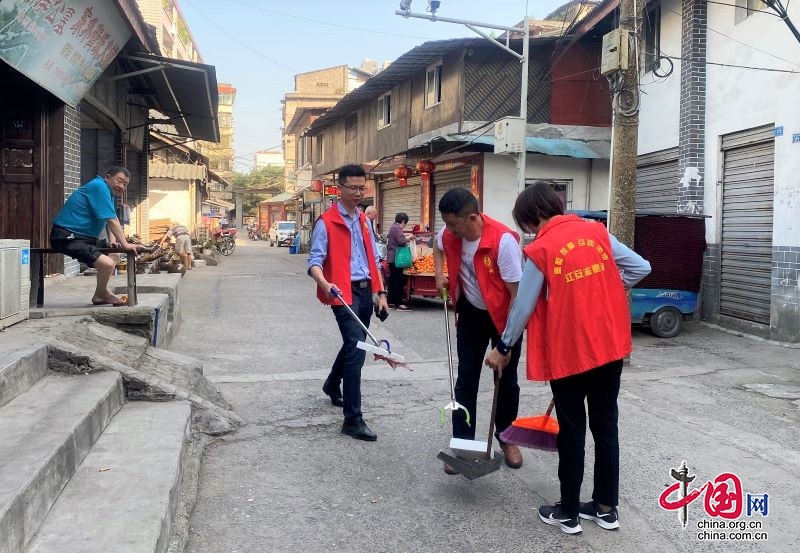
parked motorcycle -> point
(253, 232)
(225, 240)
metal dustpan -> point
(475, 458)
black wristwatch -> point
(502, 347)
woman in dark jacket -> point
(396, 278)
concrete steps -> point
(123, 496)
(45, 432)
(81, 470)
(19, 370)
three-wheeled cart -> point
(674, 244)
(420, 284)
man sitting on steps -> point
(76, 228)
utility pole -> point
(625, 129)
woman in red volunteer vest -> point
(343, 257)
(572, 298)
(484, 266)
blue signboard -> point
(778, 131)
(25, 256)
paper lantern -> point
(402, 173)
(317, 185)
(425, 167)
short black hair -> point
(458, 201)
(114, 169)
(538, 201)
(351, 170)
(401, 218)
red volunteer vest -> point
(336, 267)
(582, 319)
(492, 287)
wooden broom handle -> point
(550, 407)
(494, 412)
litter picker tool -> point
(453, 405)
(533, 432)
(475, 458)
(380, 353)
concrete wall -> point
(172, 199)
(589, 181)
(660, 103)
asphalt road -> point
(288, 481)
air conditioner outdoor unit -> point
(15, 281)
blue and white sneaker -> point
(607, 521)
(553, 515)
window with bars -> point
(651, 30)
(562, 186)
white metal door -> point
(444, 181)
(396, 198)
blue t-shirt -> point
(88, 208)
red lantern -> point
(317, 185)
(425, 167)
(402, 173)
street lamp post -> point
(523, 58)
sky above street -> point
(259, 45)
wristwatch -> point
(502, 347)
(383, 293)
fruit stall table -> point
(420, 284)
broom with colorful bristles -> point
(533, 432)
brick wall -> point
(72, 168)
(691, 160)
(324, 81)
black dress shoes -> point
(334, 393)
(359, 430)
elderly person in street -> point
(183, 244)
(396, 277)
(87, 212)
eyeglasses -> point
(360, 189)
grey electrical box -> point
(509, 135)
(615, 52)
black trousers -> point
(474, 332)
(396, 285)
(599, 388)
(349, 361)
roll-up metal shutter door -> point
(444, 181)
(395, 199)
(747, 209)
(657, 177)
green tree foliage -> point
(266, 177)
